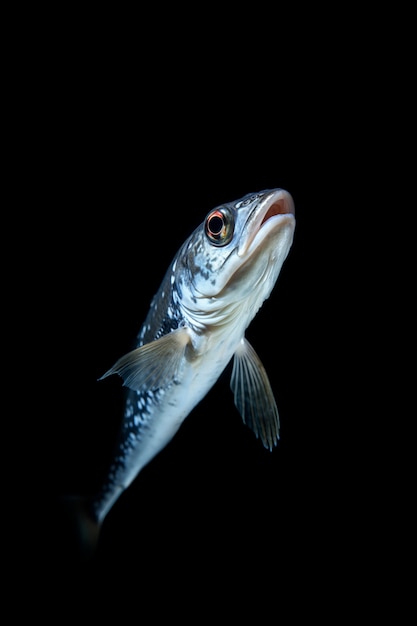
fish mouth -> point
(274, 211)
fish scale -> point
(139, 405)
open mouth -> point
(281, 206)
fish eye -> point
(219, 227)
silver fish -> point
(196, 324)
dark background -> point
(125, 203)
(123, 159)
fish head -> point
(236, 254)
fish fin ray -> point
(253, 395)
(153, 365)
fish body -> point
(196, 324)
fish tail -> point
(84, 530)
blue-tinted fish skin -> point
(207, 299)
(163, 317)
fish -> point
(212, 290)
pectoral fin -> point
(154, 365)
(253, 395)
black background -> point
(122, 162)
